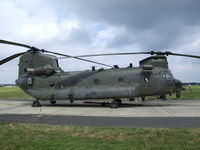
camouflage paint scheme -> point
(41, 78)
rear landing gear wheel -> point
(53, 102)
(115, 103)
(36, 103)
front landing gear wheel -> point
(178, 95)
(53, 102)
(36, 103)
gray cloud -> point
(156, 23)
(79, 36)
(102, 26)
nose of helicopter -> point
(177, 83)
(177, 87)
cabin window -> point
(51, 84)
(30, 81)
(166, 75)
(146, 79)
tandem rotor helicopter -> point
(41, 77)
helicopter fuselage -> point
(99, 84)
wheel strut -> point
(53, 102)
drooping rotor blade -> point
(75, 58)
(36, 49)
(14, 43)
(109, 54)
(11, 57)
(135, 53)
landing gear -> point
(163, 97)
(36, 103)
(118, 101)
(143, 99)
(115, 103)
(178, 95)
(131, 99)
(53, 102)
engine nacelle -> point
(46, 70)
(154, 61)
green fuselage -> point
(99, 84)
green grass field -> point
(15, 92)
(194, 93)
(12, 92)
(15, 136)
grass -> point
(15, 92)
(194, 93)
(16, 136)
(12, 92)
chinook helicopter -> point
(41, 77)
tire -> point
(53, 102)
(114, 104)
(36, 103)
(178, 95)
(163, 97)
(143, 99)
(132, 99)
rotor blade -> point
(109, 54)
(134, 53)
(185, 55)
(75, 58)
(11, 57)
(14, 43)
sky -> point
(78, 27)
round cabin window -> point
(166, 75)
(146, 79)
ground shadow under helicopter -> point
(106, 104)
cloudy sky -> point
(77, 27)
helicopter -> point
(41, 77)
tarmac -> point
(152, 113)
(154, 108)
